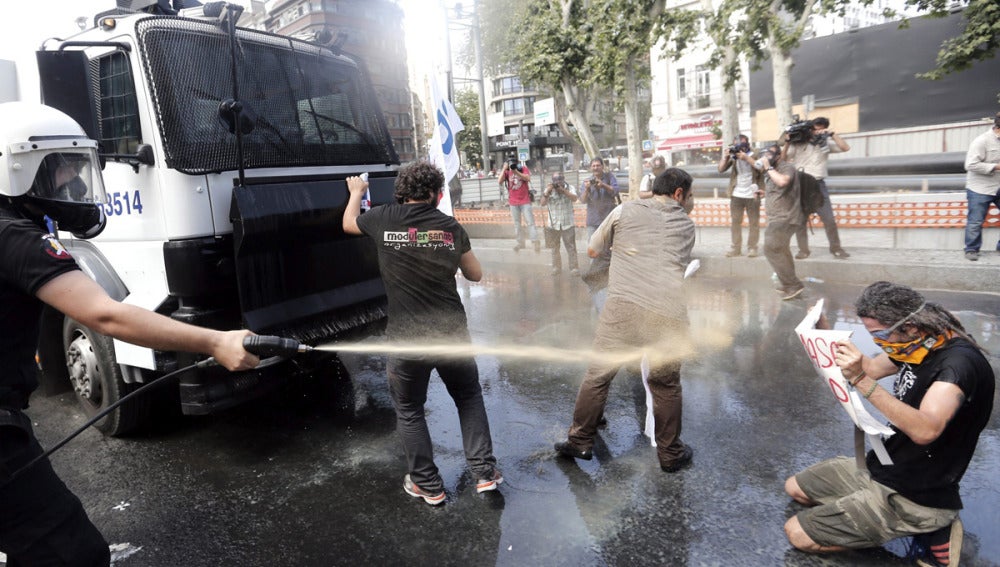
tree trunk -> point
(730, 115)
(633, 133)
(579, 118)
(781, 61)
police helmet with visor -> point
(49, 167)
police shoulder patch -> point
(54, 248)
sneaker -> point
(972, 255)
(802, 255)
(566, 450)
(519, 246)
(574, 272)
(792, 293)
(840, 253)
(538, 247)
(484, 485)
(556, 271)
(945, 546)
(752, 253)
(684, 460)
(417, 492)
(732, 252)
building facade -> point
(686, 102)
(513, 126)
(370, 29)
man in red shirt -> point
(518, 178)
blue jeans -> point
(517, 211)
(979, 205)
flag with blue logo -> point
(444, 145)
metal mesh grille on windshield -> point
(307, 106)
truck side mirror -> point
(144, 155)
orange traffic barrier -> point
(926, 214)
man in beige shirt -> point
(811, 157)
(982, 186)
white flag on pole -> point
(444, 145)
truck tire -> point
(97, 379)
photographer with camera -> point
(746, 186)
(783, 205)
(810, 144)
(517, 178)
(600, 193)
(658, 164)
(559, 197)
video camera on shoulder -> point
(515, 165)
(799, 131)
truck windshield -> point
(307, 107)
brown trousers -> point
(625, 328)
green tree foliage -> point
(469, 139)
(978, 41)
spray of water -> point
(663, 351)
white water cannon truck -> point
(225, 153)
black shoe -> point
(840, 253)
(566, 450)
(684, 460)
(944, 546)
(802, 255)
(602, 422)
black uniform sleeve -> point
(30, 258)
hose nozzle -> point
(267, 345)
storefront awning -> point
(704, 140)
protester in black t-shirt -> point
(942, 399)
(419, 250)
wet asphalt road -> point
(297, 480)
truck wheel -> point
(97, 379)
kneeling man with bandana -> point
(941, 400)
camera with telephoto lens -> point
(799, 131)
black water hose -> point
(268, 346)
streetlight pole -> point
(447, 49)
(477, 43)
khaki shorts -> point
(856, 512)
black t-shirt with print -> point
(419, 250)
(29, 258)
(929, 474)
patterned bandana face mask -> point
(912, 352)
